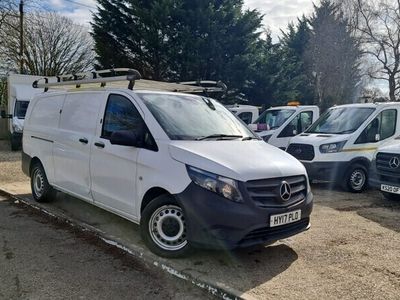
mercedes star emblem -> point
(286, 191)
(394, 162)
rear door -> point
(113, 167)
(76, 132)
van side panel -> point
(41, 129)
(72, 144)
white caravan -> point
(340, 145)
(277, 125)
(385, 170)
(20, 92)
(180, 165)
(247, 113)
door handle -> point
(99, 144)
(84, 140)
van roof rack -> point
(114, 78)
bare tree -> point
(378, 25)
(8, 8)
(53, 45)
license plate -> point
(286, 218)
(390, 189)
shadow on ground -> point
(369, 204)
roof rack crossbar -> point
(78, 79)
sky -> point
(277, 13)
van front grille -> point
(388, 168)
(301, 151)
(266, 193)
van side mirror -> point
(4, 115)
(377, 137)
(126, 138)
(294, 132)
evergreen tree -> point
(179, 39)
(294, 84)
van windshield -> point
(341, 120)
(188, 117)
(273, 118)
(20, 109)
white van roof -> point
(368, 105)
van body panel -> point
(242, 164)
(71, 152)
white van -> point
(247, 113)
(385, 170)
(340, 145)
(181, 165)
(20, 92)
(277, 125)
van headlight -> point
(225, 187)
(332, 147)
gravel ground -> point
(10, 170)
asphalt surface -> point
(40, 259)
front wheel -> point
(356, 179)
(163, 228)
(42, 191)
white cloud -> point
(277, 14)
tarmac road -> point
(43, 260)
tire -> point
(356, 179)
(15, 145)
(42, 191)
(391, 197)
(163, 228)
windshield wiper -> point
(345, 131)
(248, 138)
(216, 136)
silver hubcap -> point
(167, 228)
(38, 182)
(357, 179)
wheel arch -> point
(362, 161)
(151, 194)
(34, 161)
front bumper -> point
(377, 178)
(218, 223)
(327, 170)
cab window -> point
(382, 127)
(298, 125)
(121, 114)
(246, 117)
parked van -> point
(385, 170)
(278, 125)
(340, 145)
(247, 113)
(20, 92)
(180, 165)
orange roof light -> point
(293, 103)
